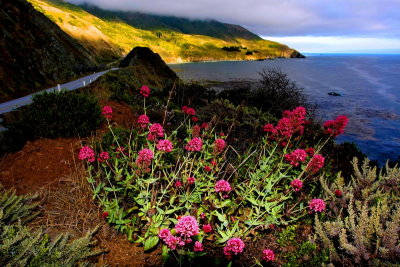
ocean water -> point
(369, 85)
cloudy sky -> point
(364, 26)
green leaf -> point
(165, 255)
(150, 242)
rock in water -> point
(150, 66)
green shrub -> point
(57, 114)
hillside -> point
(212, 28)
(113, 37)
(35, 52)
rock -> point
(297, 54)
(334, 94)
(149, 66)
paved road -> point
(19, 102)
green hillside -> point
(113, 37)
(212, 28)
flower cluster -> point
(191, 180)
(234, 246)
(336, 127)
(188, 111)
(164, 145)
(170, 240)
(145, 91)
(222, 186)
(107, 111)
(291, 123)
(317, 205)
(198, 246)
(219, 145)
(194, 145)
(145, 157)
(103, 156)
(86, 153)
(187, 226)
(296, 184)
(207, 228)
(156, 130)
(268, 255)
(297, 156)
(316, 163)
(143, 120)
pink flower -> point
(207, 228)
(164, 233)
(219, 145)
(194, 145)
(198, 246)
(336, 127)
(207, 168)
(187, 226)
(157, 129)
(222, 186)
(164, 145)
(120, 149)
(188, 111)
(178, 184)
(145, 91)
(299, 155)
(316, 205)
(191, 180)
(296, 184)
(234, 246)
(268, 255)
(145, 157)
(143, 120)
(86, 153)
(316, 163)
(107, 111)
(173, 241)
(103, 156)
(195, 119)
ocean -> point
(369, 86)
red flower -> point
(310, 151)
(219, 145)
(104, 215)
(188, 111)
(178, 184)
(207, 168)
(338, 193)
(336, 127)
(107, 111)
(191, 180)
(296, 184)
(195, 119)
(143, 120)
(213, 162)
(204, 125)
(316, 163)
(207, 228)
(103, 156)
(145, 91)
(297, 156)
(194, 145)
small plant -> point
(364, 219)
(21, 246)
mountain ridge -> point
(111, 39)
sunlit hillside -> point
(111, 39)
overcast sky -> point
(307, 25)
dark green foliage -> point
(117, 136)
(21, 246)
(231, 48)
(58, 114)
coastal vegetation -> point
(192, 175)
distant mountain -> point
(111, 35)
(35, 52)
(213, 28)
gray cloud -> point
(374, 18)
